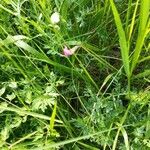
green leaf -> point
(42, 102)
(122, 39)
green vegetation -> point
(74, 74)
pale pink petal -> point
(67, 52)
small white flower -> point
(55, 18)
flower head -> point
(69, 52)
(55, 18)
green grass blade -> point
(126, 139)
(133, 21)
(128, 15)
(24, 112)
(125, 136)
(8, 10)
(144, 59)
(104, 83)
(122, 39)
(120, 127)
(142, 31)
(146, 73)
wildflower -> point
(55, 18)
(69, 52)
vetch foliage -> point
(74, 74)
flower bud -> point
(55, 18)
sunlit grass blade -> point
(24, 112)
(8, 10)
(120, 127)
(142, 31)
(104, 83)
(146, 73)
(132, 22)
(128, 15)
(125, 136)
(122, 39)
(52, 121)
(144, 59)
(126, 139)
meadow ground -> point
(74, 74)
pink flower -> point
(69, 52)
